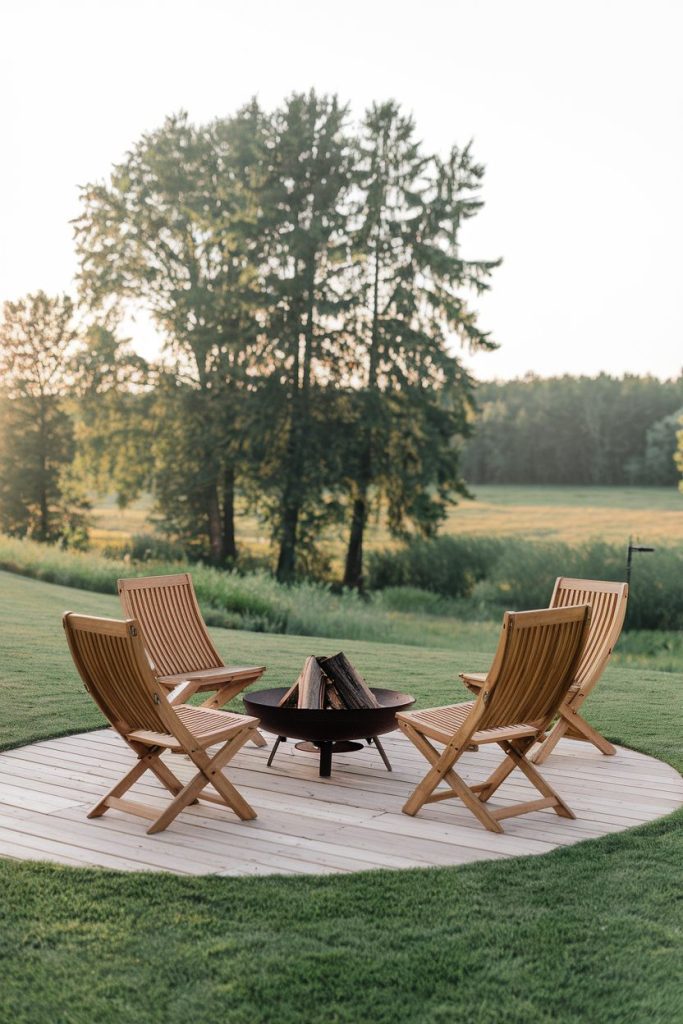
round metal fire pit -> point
(325, 727)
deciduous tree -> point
(168, 233)
(39, 496)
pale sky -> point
(575, 108)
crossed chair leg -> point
(209, 773)
(476, 797)
(572, 725)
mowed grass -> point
(592, 932)
(40, 684)
(563, 513)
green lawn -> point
(592, 932)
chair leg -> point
(569, 722)
(166, 776)
(148, 759)
(209, 773)
(485, 790)
(535, 778)
(186, 796)
(213, 770)
(550, 742)
(442, 771)
(576, 722)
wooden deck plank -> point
(87, 787)
(349, 822)
(307, 774)
(21, 796)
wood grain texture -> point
(607, 602)
(307, 825)
(112, 662)
(177, 641)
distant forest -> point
(576, 430)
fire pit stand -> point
(324, 729)
(326, 748)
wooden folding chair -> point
(608, 609)
(177, 640)
(532, 670)
(112, 662)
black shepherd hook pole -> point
(629, 558)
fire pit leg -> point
(382, 752)
(278, 741)
(325, 759)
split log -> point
(350, 685)
(291, 697)
(311, 685)
(333, 698)
(309, 689)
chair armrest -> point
(183, 691)
(473, 680)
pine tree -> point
(415, 393)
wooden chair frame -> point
(178, 643)
(535, 662)
(112, 662)
(608, 609)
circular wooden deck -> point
(308, 825)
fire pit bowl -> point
(327, 727)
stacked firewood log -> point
(329, 683)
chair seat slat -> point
(529, 679)
(113, 664)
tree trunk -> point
(229, 541)
(289, 511)
(286, 563)
(42, 485)
(353, 569)
(215, 523)
(292, 499)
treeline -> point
(576, 430)
(306, 276)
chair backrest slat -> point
(111, 660)
(608, 608)
(175, 635)
(534, 665)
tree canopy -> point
(575, 430)
(39, 497)
(306, 275)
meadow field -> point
(569, 514)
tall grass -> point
(435, 591)
(450, 566)
(495, 574)
(255, 601)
